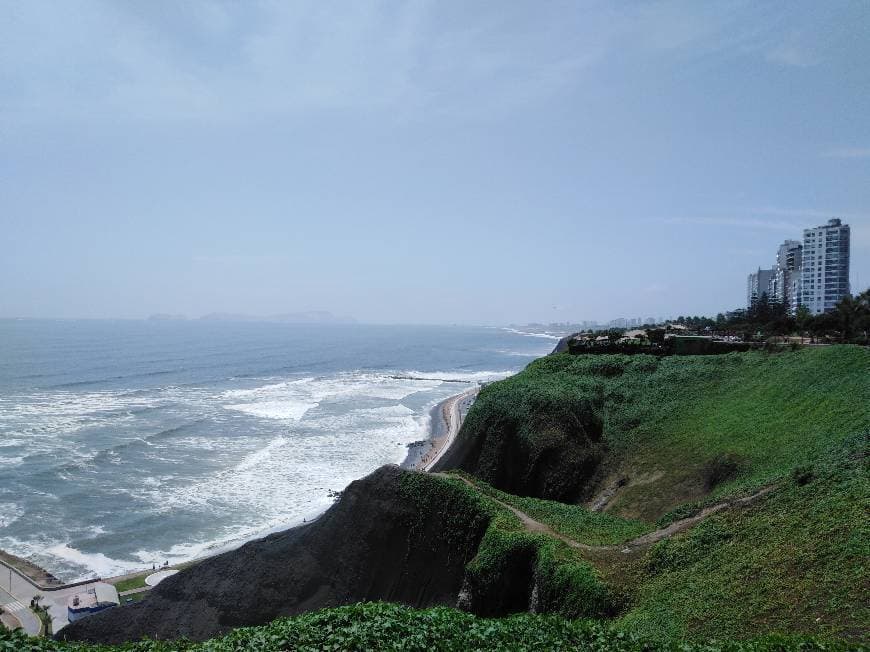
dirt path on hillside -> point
(644, 540)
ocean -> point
(130, 443)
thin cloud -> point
(228, 61)
(847, 152)
(739, 222)
(236, 259)
(189, 62)
(804, 214)
(791, 55)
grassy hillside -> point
(510, 559)
(685, 432)
(680, 429)
(378, 626)
(795, 561)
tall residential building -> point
(785, 285)
(825, 266)
(757, 284)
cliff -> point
(374, 544)
(680, 497)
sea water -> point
(125, 444)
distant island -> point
(162, 316)
(306, 317)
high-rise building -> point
(757, 284)
(825, 266)
(785, 285)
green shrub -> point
(381, 626)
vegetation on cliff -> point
(688, 433)
(699, 497)
(511, 563)
(380, 626)
(673, 430)
(795, 561)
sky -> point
(422, 162)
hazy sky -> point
(422, 161)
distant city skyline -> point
(812, 272)
(422, 162)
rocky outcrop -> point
(374, 544)
(563, 345)
(546, 446)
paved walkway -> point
(453, 412)
(15, 588)
(29, 620)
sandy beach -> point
(447, 418)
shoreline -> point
(446, 419)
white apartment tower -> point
(825, 266)
(758, 284)
(785, 284)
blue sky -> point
(430, 162)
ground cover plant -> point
(794, 561)
(678, 429)
(510, 559)
(574, 521)
(690, 432)
(381, 626)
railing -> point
(43, 587)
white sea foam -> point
(318, 433)
(209, 443)
(287, 410)
(95, 562)
(547, 336)
(519, 354)
(292, 400)
(9, 513)
(284, 479)
(11, 461)
(462, 376)
(260, 457)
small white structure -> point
(94, 598)
(155, 578)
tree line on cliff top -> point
(848, 322)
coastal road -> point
(453, 412)
(15, 588)
(29, 620)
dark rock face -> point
(511, 590)
(563, 345)
(553, 450)
(371, 545)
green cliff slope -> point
(700, 499)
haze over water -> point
(127, 443)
